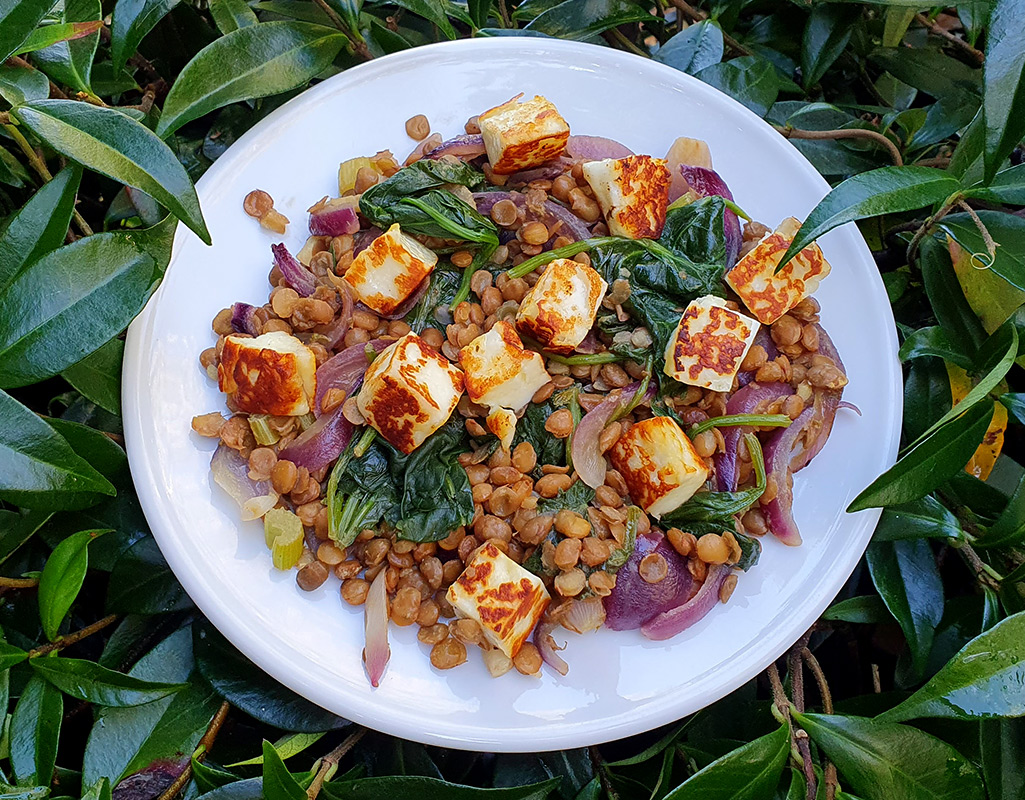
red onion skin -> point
(343, 371)
(334, 221)
(750, 399)
(546, 645)
(549, 171)
(361, 241)
(296, 275)
(779, 455)
(335, 331)
(830, 401)
(466, 148)
(588, 460)
(321, 443)
(675, 620)
(595, 148)
(376, 652)
(707, 183)
(243, 319)
(634, 601)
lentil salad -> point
(654, 447)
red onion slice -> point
(231, 472)
(828, 401)
(546, 645)
(321, 443)
(465, 148)
(332, 333)
(596, 148)
(633, 601)
(344, 370)
(376, 652)
(784, 448)
(295, 274)
(584, 615)
(550, 171)
(335, 217)
(754, 398)
(243, 319)
(588, 460)
(363, 239)
(671, 622)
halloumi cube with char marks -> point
(389, 270)
(560, 308)
(659, 465)
(501, 596)
(273, 373)
(519, 136)
(633, 193)
(408, 392)
(769, 294)
(709, 345)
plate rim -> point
(360, 709)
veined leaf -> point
(70, 63)
(391, 787)
(580, 19)
(133, 19)
(919, 519)
(20, 84)
(142, 583)
(887, 190)
(16, 528)
(749, 80)
(72, 301)
(935, 341)
(886, 760)
(866, 610)
(117, 146)
(695, 47)
(52, 34)
(35, 729)
(984, 680)
(431, 10)
(930, 463)
(1007, 229)
(278, 783)
(826, 35)
(1003, 103)
(905, 575)
(748, 773)
(62, 579)
(38, 468)
(1001, 742)
(17, 20)
(98, 376)
(88, 681)
(285, 747)
(1009, 527)
(230, 15)
(39, 226)
(1007, 186)
(255, 61)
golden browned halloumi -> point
(389, 270)
(501, 596)
(519, 136)
(709, 344)
(560, 309)
(633, 193)
(270, 374)
(409, 391)
(769, 294)
(661, 469)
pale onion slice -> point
(376, 652)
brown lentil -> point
(567, 553)
(712, 549)
(209, 425)
(312, 576)
(504, 213)
(448, 653)
(354, 591)
(570, 583)
(726, 590)
(560, 423)
(653, 568)
(257, 203)
(434, 633)
(418, 127)
(535, 233)
(283, 477)
(570, 523)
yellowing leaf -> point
(981, 464)
(989, 295)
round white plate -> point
(619, 683)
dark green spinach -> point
(576, 498)
(359, 492)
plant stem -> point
(991, 246)
(927, 225)
(820, 678)
(845, 133)
(603, 775)
(330, 762)
(977, 55)
(618, 36)
(807, 764)
(66, 641)
(18, 583)
(200, 752)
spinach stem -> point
(759, 420)
(607, 357)
(364, 442)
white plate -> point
(619, 683)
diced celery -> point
(283, 532)
(306, 420)
(347, 172)
(262, 431)
(285, 551)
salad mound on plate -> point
(524, 380)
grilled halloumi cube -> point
(709, 344)
(633, 193)
(499, 371)
(519, 136)
(501, 596)
(270, 374)
(560, 309)
(661, 469)
(408, 392)
(770, 294)
(389, 270)
(502, 423)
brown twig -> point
(697, 15)
(983, 571)
(329, 763)
(807, 764)
(942, 162)
(877, 686)
(926, 226)
(779, 696)
(72, 638)
(614, 34)
(977, 55)
(820, 679)
(991, 246)
(55, 91)
(845, 133)
(18, 583)
(200, 752)
(603, 777)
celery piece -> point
(283, 532)
(306, 420)
(347, 172)
(262, 431)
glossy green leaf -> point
(887, 190)
(117, 146)
(18, 18)
(62, 579)
(255, 61)
(35, 730)
(1001, 742)
(905, 575)
(98, 376)
(479, 10)
(924, 518)
(391, 787)
(1007, 186)
(434, 11)
(1004, 70)
(930, 463)
(99, 790)
(947, 298)
(285, 747)
(1007, 229)
(826, 35)
(748, 79)
(935, 341)
(70, 63)
(133, 19)
(982, 681)
(72, 301)
(866, 610)
(580, 19)
(252, 690)
(17, 527)
(747, 773)
(142, 583)
(230, 15)
(20, 84)
(887, 760)
(1015, 403)
(38, 469)
(125, 740)
(1009, 527)
(52, 34)
(10, 655)
(695, 47)
(86, 680)
(39, 226)
(278, 783)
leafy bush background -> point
(911, 686)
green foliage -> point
(112, 680)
